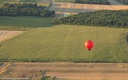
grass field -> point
(66, 43)
(24, 1)
(47, 78)
(20, 0)
(65, 1)
(23, 22)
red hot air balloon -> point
(89, 44)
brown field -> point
(89, 76)
(70, 8)
(90, 6)
(4, 34)
(66, 71)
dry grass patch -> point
(60, 71)
(4, 34)
(89, 6)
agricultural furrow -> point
(2, 65)
(7, 34)
(74, 8)
(5, 67)
(74, 71)
(71, 67)
(88, 76)
(91, 78)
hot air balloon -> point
(89, 44)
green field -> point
(47, 78)
(66, 43)
(7, 0)
(20, 0)
(23, 22)
(2, 1)
(23, 1)
(65, 1)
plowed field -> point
(74, 8)
(4, 34)
(68, 71)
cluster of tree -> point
(124, 1)
(25, 9)
(108, 18)
(93, 1)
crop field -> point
(64, 1)
(2, 1)
(66, 43)
(92, 6)
(20, 0)
(70, 8)
(6, 34)
(23, 22)
(65, 71)
(39, 2)
(20, 24)
(60, 45)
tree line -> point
(106, 2)
(106, 18)
(25, 9)
(124, 1)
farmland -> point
(124, 1)
(64, 1)
(39, 2)
(20, 24)
(63, 47)
(62, 8)
(66, 71)
(4, 34)
(23, 22)
(65, 42)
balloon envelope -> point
(89, 44)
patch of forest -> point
(106, 2)
(25, 9)
(106, 18)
